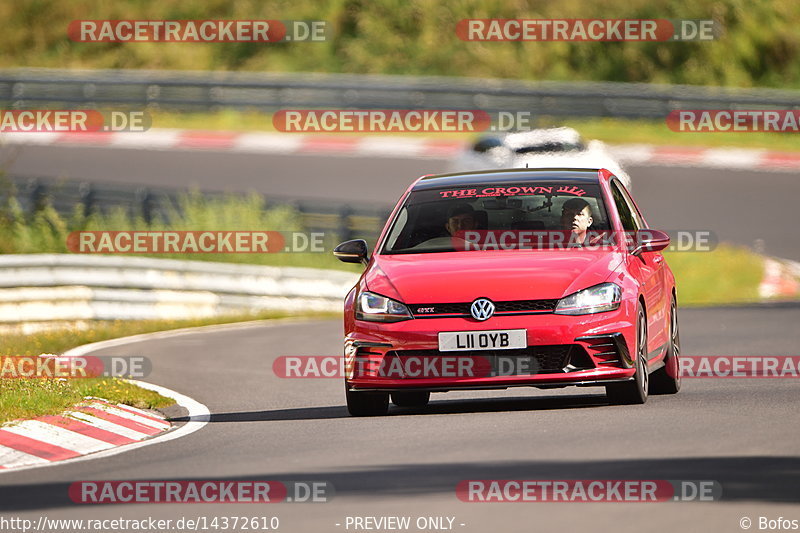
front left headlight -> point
(376, 308)
(597, 299)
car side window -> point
(399, 226)
(629, 222)
(637, 216)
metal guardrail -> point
(63, 287)
(208, 91)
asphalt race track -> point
(742, 433)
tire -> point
(367, 403)
(667, 379)
(411, 398)
(635, 391)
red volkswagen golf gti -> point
(526, 277)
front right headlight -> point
(597, 299)
(376, 308)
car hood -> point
(451, 277)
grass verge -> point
(30, 398)
(728, 275)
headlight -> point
(603, 297)
(376, 308)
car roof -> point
(513, 175)
(539, 137)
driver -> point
(576, 216)
(460, 217)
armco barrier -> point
(209, 91)
(63, 287)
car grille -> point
(524, 361)
(516, 307)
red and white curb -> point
(91, 430)
(198, 414)
(90, 427)
(781, 279)
(273, 143)
(380, 145)
(688, 156)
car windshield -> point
(509, 216)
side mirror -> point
(650, 240)
(354, 251)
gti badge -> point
(482, 309)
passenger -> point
(576, 216)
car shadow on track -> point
(770, 479)
(481, 405)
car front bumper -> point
(404, 355)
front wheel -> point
(367, 403)
(667, 379)
(635, 391)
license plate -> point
(500, 339)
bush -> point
(760, 45)
(45, 231)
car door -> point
(647, 267)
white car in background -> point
(546, 147)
